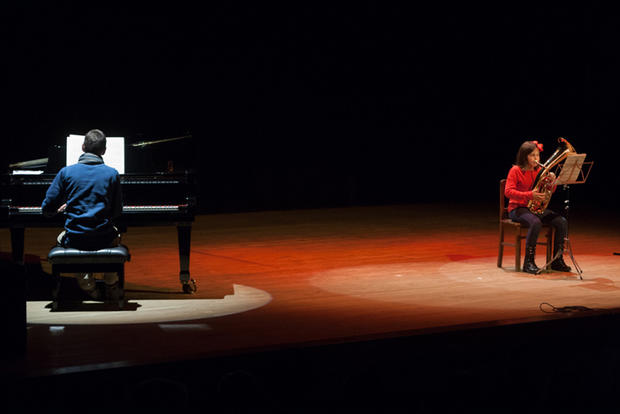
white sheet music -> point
(571, 169)
(114, 155)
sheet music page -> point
(114, 155)
(571, 169)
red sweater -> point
(519, 185)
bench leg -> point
(56, 288)
(121, 287)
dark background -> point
(297, 106)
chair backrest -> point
(503, 211)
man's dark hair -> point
(94, 142)
(526, 149)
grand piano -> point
(162, 198)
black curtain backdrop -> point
(315, 106)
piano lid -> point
(37, 164)
(161, 155)
(156, 155)
(143, 144)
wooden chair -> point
(519, 231)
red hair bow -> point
(539, 146)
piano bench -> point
(69, 260)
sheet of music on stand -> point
(572, 172)
(114, 155)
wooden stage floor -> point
(289, 279)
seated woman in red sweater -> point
(519, 184)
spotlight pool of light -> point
(243, 299)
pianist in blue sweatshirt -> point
(89, 195)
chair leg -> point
(518, 250)
(500, 253)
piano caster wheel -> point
(190, 286)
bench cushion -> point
(68, 255)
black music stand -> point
(571, 172)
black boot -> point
(528, 263)
(558, 264)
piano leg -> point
(184, 232)
(17, 244)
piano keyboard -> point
(26, 210)
(146, 209)
(126, 209)
(124, 180)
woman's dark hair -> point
(94, 141)
(524, 150)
